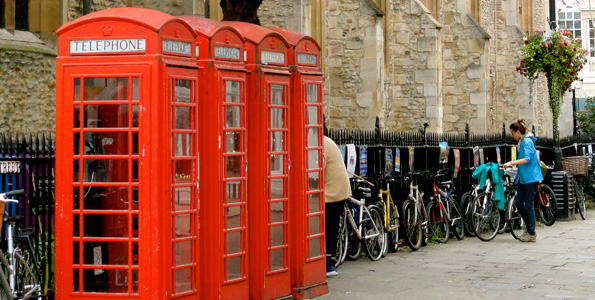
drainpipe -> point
(552, 14)
(86, 7)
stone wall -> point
(27, 93)
(172, 7)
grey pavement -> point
(560, 265)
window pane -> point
(106, 89)
(313, 162)
(106, 198)
(232, 89)
(276, 211)
(234, 242)
(106, 116)
(106, 170)
(234, 191)
(313, 115)
(233, 217)
(313, 137)
(182, 91)
(277, 238)
(577, 15)
(182, 198)
(277, 94)
(232, 116)
(313, 180)
(561, 16)
(568, 15)
(277, 259)
(183, 280)
(577, 24)
(314, 247)
(77, 89)
(234, 268)
(183, 226)
(277, 164)
(314, 225)
(183, 171)
(312, 93)
(183, 144)
(562, 25)
(277, 188)
(277, 118)
(183, 253)
(314, 202)
(108, 253)
(233, 166)
(232, 141)
(183, 117)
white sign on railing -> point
(108, 46)
(10, 167)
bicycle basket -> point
(576, 165)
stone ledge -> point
(24, 41)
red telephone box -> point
(223, 148)
(268, 161)
(307, 209)
(127, 196)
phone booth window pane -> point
(233, 217)
(105, 198)
(277, 236)
(183, 171)
(232, 90)
(77, 117)
(183, 226)
(135, 109)
(314, 225)
(234, 242)
(277, 94)
(106, 170)
(183, 253)
(135, 96)
(277, 187)
(314, 247)
(106, 89)
(314, 203)
(233, 166)
(277, 164)
(182, 91)
(106, 116)
(76, 175)
(233, 191)
(183, 117)
(232, 141)
(277, 211)
(313, 137)
(109, 226)
(183, 280)
(277, 118)
(277, 141)
(232, 116)
(234, 268)
(183, 197)
(312, 93)
(105, 253)
(107, 143)
(183, 144)
(314, 180)
(313, 162)
(277, 260)
(77, 90)
(313, 115)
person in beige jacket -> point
(336, 191)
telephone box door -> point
(108, 240)
(277, 281)
(183, 219)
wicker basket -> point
(576, 165)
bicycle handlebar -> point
(4, 196)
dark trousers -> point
(332, 212)
(524, 203)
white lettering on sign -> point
(108, 46)
(177, 47)
(267, 57)
(227, 52)
(308, 59)
(10, 167)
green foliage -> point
(557, 55)
(586, 118)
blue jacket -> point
(529, 172)
(481, 174)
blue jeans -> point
(524, 203)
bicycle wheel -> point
(343, 240)
(373, 234)
(466, 208)
(411, 225)
(5, 293)
(456, 219)
(515, 220)
(486, 217)
(354, 248)
(394, 229)
(438, 223)
(27, 283)
(581, 206)
(547, 205)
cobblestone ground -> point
(560, 265)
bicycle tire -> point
(547, 205)
(486, 217)
(354, 249)
(456, 219)
(374, 236)
(438, 223)
(28, 285)
(342, 241)
(581, 206)
(515, 220)
(394, 231)
(466, 208)
(5, 293)
(411, 225)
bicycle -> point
(391, 217)
(578, 167)
(369, 229)
(451, 208)
(467, 207)
(20, 262)
(485, 216)
(415, 216)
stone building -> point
(448, 63)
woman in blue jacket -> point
(528, 176)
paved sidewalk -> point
(560, 265)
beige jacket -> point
(336, 182)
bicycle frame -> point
(420, 207)
(387, 202)
(358, 228)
